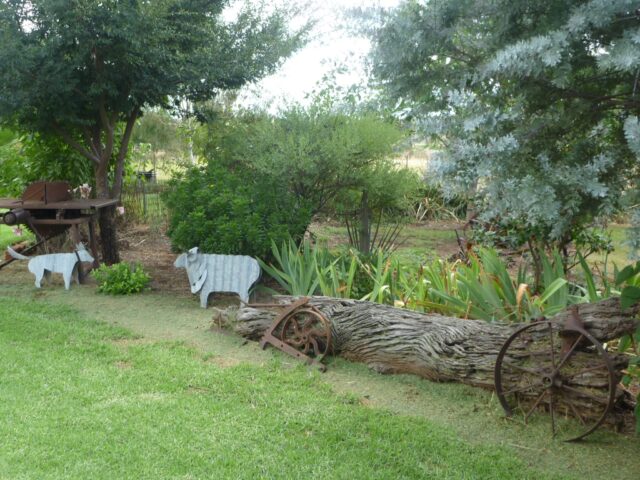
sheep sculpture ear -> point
(192, 254)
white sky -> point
(329, 46)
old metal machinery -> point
(300, 330)
(561, 370)
(48, 209)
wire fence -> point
(143, 203)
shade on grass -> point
(80, 399)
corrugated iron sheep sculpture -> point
(210, 273)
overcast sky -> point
(330, 46)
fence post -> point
(144, 199)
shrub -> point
(121, 279)
(628, 279)
(227, 211)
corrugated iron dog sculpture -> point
(65, 263)
(210, 273)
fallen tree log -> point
(439, 348)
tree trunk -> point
(365, 225)
(393, 340)
(108, 238)
(106, 219)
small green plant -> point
(121, 279)
(295, 268)
(629, 280)
(338, 279)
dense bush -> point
(121, 279)
(319, 155)
(229, 211)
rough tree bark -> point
(393, 340)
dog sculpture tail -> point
(16, 255)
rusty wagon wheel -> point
(561, 370)
(308, 331)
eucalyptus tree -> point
(537, 100)
(83, 71)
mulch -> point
(152, 248)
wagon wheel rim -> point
(547, 375)
(308, 331)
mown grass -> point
(415, 243)
(424, 242)
(82, 399)
(621, 255)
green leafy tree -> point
(163, 140)
(83, 71)
(334, 160)
(31, 157)
(297, 164)
(534, 104)
(322, 156)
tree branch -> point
(86, 134)
(66, 136)
(122, 152)
(108, 127)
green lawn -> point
(621, 255)
(83, 399)
(7, 237)
(423, 242)
(415, 243)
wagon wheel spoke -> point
(588, 395)
(523, 389)
(316, 332)
(582, 372)
(316, 349)
(535, 405)
(294, 341)
(568, 354)
(552, 412)
(523, 369)
(575, 411)
(296, 327)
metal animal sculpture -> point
(65, 263)
(218, 273)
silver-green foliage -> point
(632, 134)
(535, 104)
